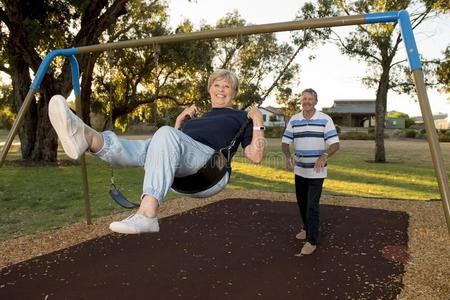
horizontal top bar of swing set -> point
(246, 30)
(382, 17)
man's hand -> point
(290, 163)
(320, 163)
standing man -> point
(315, 141)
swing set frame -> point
(402, 17)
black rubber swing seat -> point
(205, 178)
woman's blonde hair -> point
(225, 74)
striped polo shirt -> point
(311, 138)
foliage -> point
(356, 135)
(338, 128)
(31, 29)
(274, 132)
(7, 115)
(444, 135)
(411, 133)
(443, 72)
(377, 45)
(147, 84)
(152, 85)
(303, 39)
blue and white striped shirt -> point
(311, 138)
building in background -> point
(441, 120)
(273, 116)
(352, 112)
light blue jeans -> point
(168, 153)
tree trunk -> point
(46, 145)
(21, 82)
(380, 114)
(38, 139)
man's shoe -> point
(301, 235)
(308, 249)
(68, 126)
(135, 224)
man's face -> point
(308, 102)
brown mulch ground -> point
(426, 263)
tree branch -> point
(360, 53)
(286, 66)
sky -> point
(331, 74)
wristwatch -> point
(259, 128)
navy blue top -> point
(218, 127)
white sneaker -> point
(308, 249)
(135, 224)
(68, 126)
(301, 235)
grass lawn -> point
(408, 174)
(38, 198)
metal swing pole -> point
(432, 137)
(26, 104)
(79, 111)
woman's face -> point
(222, 93)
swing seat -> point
(206, 177)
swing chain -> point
(110, 57)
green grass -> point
(39, 198)
(408, 173)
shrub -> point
(444, 138)
(274, 132)
(398, 133)
(6, 118)
(411, 133)
(444, 135)
(356, 135)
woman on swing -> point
(172, 151)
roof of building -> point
(438, 116)
(274, 110)
(363, 106)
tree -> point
(182, 70)
(29, 30)
(262, 63)
(6, 99)
(303, 39)
(443, 72)
(377, 45)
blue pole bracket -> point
(46, 62)
(381, 17)
(410, 41)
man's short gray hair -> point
(310, 91)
